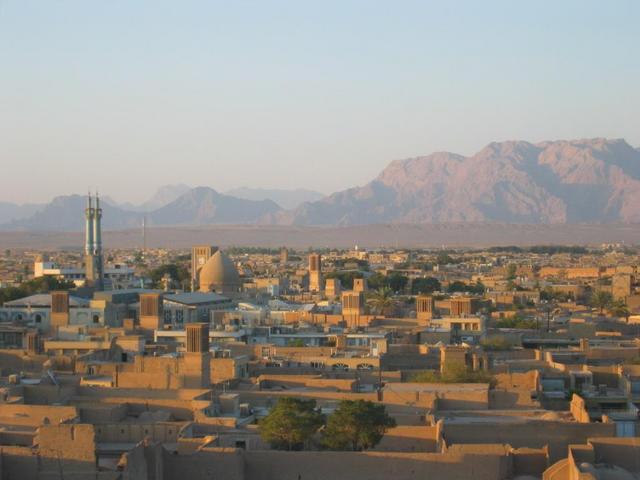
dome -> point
(219, 274)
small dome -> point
(219, 274)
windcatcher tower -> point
(315, 272)
(93, 244)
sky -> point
(127, 95)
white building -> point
(116, 277)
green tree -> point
(178, 273)
(512, 268)
(457, 286)
(356, 425)
(381, 300)
(291, 423)
(496, 343)
(601, 300)
(618, 308)
(444, 259)
(425, 285)
(376, 281)
(397, 282)
(37, 285)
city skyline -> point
(207, 93)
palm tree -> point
(601, 299)
(619, 308)
(381, 300)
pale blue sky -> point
(127, 95)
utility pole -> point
(144, 236)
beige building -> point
(424, 309)
(315, 272)
(333, 287)
(621, 286)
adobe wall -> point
(513, 391)
(46, 394)
(179, 409)
(578, 409)
(530, 461)
(34, 415)
(144, 462)
(532, 433)
(278, 465)
(22, 438)
(528, 380)
(18, 463)
(92, 412)
(512, 400)
(70, 447)
(312, 381)
(180, 403)
(136, 432)
(605, 375)
(624, 452)
(409, 439)
(208, 463)
(222, 369)
(14, 360)
(439, 395)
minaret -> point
(88, 227)
(97, 242)
(93, 245)
(97, 228)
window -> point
(96, 318)
(38, 318)
(179, 316)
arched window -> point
(38, 318)
(96, 318)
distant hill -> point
(593, 180)
(205, 206)
(287, 199)
(163, 196)
(12, 211)
(66, 213)
(198, 206)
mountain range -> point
(287, 199)
(593, 180)
(554, 182)
(171, 205)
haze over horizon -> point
(289, 95)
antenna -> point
(144, 235)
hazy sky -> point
(127, 95)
